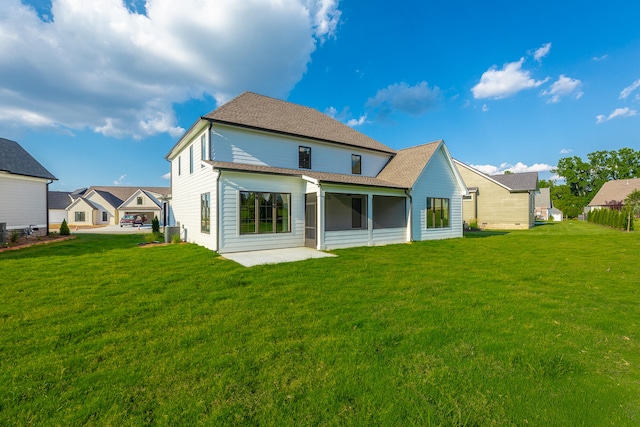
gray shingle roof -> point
(407, 165)
(616, 190)
(117, 194)
(525, 181)
(16, 160)
(261, 112)
(320, 176)
(59, 199)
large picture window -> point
(262, 212)
(438, 213)
(205, 212)
(304, 157)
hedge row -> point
(611, 218)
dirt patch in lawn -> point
(23, 242)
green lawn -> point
(538, 328)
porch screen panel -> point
(389, 212)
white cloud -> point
(565, 151)
(563, 87)
(629, 89)
(99, 65)
(485, 108)
(120, 180)
(517, 168)
(413, 100)
(542, 52)
(505, 82)
(331, 112)
(618, 112)
(600, 58)
(357, 122)
(167, 176)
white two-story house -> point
(260, 173)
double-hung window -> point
(138, 200)
(205, 212)
(438, 212)
(262, 213)
(191, 158)
(356, 164)
(304, 157)
(204, 148)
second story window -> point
(356, 164)
(304, 157)
(204, 147)
(139, 201)
(191, 159)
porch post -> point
(320, 219)
(370, 218)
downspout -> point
(218, 222)
(47, 207)
(408, 194)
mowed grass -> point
(537, 327)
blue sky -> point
(99, 92)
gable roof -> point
(116, 195)
(16, 160)
(616, 190)
(59, 199)
(524, 181)
(407, 165)
(261, 112)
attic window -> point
(304, 157)
(139, 201)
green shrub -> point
(155, 224)
(175, 238)
(64, 228)
(14, 236)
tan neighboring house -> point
(501, 202)
(104, 205)
(614, 192)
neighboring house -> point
(503, 202)
(58, 203)
(613, 193)
(23, 189)
(544, 209)
(105, 205)
(260, 173)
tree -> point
(64, 228)
(632, 203)
(584, 178)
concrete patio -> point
(275, 256)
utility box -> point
(170, 231)
(3, 232)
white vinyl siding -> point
(259, 148)
(231, 184)
(436, 181)
(23, 201)
(186, 197)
